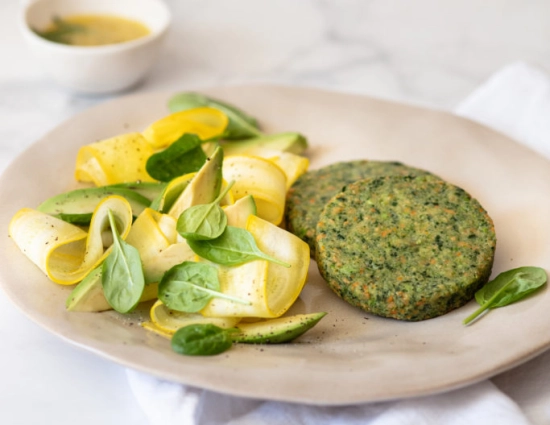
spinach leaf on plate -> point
(204, 222)
(201, 340)
(183, 156)
(122, 274)
(507, 288)
(189, 286)
(235, 246)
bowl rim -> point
(93, 50)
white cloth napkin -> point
(166, 403)
(515, 101)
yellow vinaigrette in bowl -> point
(93, 30)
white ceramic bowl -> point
(97, 69)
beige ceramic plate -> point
(350, 357)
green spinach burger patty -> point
(309, 194)
(409, 248)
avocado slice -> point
(203, 188)
(238, 213)
(78, 219)
(209, 147)
(149, 190)
(82, 202)
(276, 331)
(164, 201)
(88, 296)
(284, 142)
(166, 198)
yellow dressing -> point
(94, 30)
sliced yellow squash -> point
(270, 288)
(284, 284)
(204, 122)
(150, 326)
(155, 237)
(119, 159)
(262, 179)
(167, 225)
(148, 236)
(293, 165)
(63, 251)
(170, 321)
(248, 282)
(166, 259)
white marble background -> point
(428, 52)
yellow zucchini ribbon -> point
(204, 122)
(262, 179)
(155, 237)
(270, 288)
(124, 158)
(119, 159)
(63, 251)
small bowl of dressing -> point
(96, 46)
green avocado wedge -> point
(284, 142)
(203, 188)
(166, 198)
(149, 190)
(276, 331)
(88, 296)
(238, 213)
(82, 202)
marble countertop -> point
(424, 52)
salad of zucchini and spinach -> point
(187, 213)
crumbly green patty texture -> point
(308, 195)
(405, 247)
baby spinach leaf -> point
(204, 222)
(512, 286)
(201, 340)
(122, 274)
(284, 142)
(183, 156)
(507, 288)
(207, 339)
(241, 125)
(189, 286)
(78, 219)
(235, 246)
